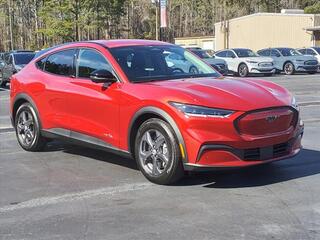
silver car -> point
(311, 51)
(243, 61)
(290, 60)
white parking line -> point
(69, 197)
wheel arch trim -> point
(161, 113)
(27, 98)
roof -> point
(128, 42)
(315, 28)
(271, 14)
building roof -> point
(315, 28)
(271, 14)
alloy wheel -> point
(288, 68)
(153, 152)
(25, 128)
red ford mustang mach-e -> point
(123, 96)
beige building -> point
(262, 30)
(205, 42)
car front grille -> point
(266, 153)
(265, 64)
(311, 62)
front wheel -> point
(28, 129)
(157, 152)
(288, 68)
(243, 70)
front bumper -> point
(262, 70)
(305, 68)
(217, 143)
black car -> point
(13, 63)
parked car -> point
(290, 61)
(219, 64)
(180, 63)
(14, 62)
(312, 51)
(243, 61)
(121, 96)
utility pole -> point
(157, 21)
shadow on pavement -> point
(91, 153)
(307, 163)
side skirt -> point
(83, 140)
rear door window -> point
(61, 63)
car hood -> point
(226, 93)
(215, 61)
(301, 57)
(258, 59)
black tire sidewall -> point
(174, 170)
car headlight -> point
(252, 62)
(199, 111)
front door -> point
(93, 108)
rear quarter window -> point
(61, 63)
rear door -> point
(92, 107)
(56, 71)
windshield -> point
(23, 58)
(201, 53)
(245, 53)
(151, 63)
(317, 49)
(289, 52)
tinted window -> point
(264, 53)
(61, 63)
(288, 52)
(23, 58)
(230, 54)
(89, 61)
(302, 51)
(221, 54)
(151, 63)
(317, 49)
(40, 64)
(245, 53)
(275, 53)
(310, 52)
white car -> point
(177, 62)
(312, 51)
(243, 61)
(290, 61)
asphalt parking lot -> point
(70, 192)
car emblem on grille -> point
(271, 119)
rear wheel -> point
(28, 129)
(157, 152)
(193, 70)
(243, 70)
(288, 68)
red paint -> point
(86, 107)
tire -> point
(288, 68)
(157, 152)
(193, 70)
(243, 70)
(27, 128)
(3, 82)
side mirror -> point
(102, 76)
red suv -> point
(128, 97)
